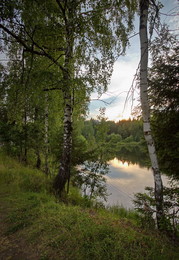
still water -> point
(124, 179)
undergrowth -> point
(73, 230)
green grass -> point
(74, 230)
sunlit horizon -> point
(112, 114)
(118, 163)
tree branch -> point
(53, 49)
(42, 52)
(48, 89)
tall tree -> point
(144, 7)
(81, 38)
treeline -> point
(113, 136)
(122, 129)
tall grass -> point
(22, 178)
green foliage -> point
(164, 98)
(24, 216)
(80, 150)
(23, 178)
(146, 206)
(168, 150)
(96, 37)
(113, 137)
(68, 47)
(122, 212)
(90, 179)
(113, 141)
(74, 197)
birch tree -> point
(81, 39)
(144, 7)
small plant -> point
(145, 205)
(123, 212)
(90, 179)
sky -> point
(114, 100)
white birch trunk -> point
(65, 163)
(63, 175)
(144, 5)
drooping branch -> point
(19, 40)
(40, 52)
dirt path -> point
(13, 246)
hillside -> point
(35, 225)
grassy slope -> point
(43, 228)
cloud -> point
(114, 98)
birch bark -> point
(65, 163)
(63, 175)
(144, 5)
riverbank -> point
(35, 225)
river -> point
(125, 179)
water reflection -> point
(125, 179)
(134, 156)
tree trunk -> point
(64, 172)
(38, 162)
(144, 5)
(63, 175)
(25, 137)
(65, 163)
(46, 138)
